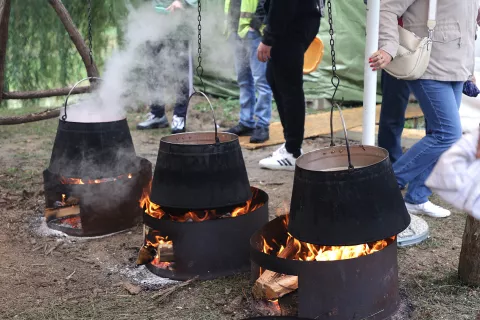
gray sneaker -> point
(153, 122)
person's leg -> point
(288, 73)
(245, 82)
(182, 86)
(183, 89)
(156, 117)
(395, 94)
(263, 106)
(439, 105)
(285, 76)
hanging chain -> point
(90, 42)
(335, 79)
(199, 67)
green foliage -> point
(40, 53)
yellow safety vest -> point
(247, 12)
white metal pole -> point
(370, 77)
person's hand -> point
(474, 80)
(263, 52)
(379, 60)
(176, 5)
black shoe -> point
(260, 135)
(240, 130)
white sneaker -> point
(280, 159)
(428, 209)
(178, 124)
(153, 122)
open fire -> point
(297, 250)
(65, 180)
(157, 212)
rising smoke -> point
(151, 63)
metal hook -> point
(332, 144)
(217, 140)
(64, 117)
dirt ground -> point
(45, 276)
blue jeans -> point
(251, 77)
(439, 101)
(395, 94)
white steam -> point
(135, 75)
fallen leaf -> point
(132, 289)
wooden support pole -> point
(44, 115)
(25, 95)
(469, 265)
(4, 19)
(76, 37)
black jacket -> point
(291, 19)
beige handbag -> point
(413, 55)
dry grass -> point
(34, 286)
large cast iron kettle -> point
(200, 170)
(346, 196)
(96, 150)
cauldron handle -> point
(217, 140)
(64, 117)
(332, 144)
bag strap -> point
(432, 16)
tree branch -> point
(23, 95)
(4, 19)
(44, 115)
(76, 37)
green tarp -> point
(349, 34)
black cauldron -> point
(346, 196)
(95, 150)
(200, 170)
(195, 172)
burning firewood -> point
(62, 212)
(145, 255)
(272, 285)
(164, 253)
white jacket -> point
(456, 177)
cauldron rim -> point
(92, 122)
(176, 139)
(372, 151)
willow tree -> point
(40, 53)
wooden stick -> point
(76, 37)
(162, 295)
(469, 265)
(44, 115)
(4, 20)
(24, 95)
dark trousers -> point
(177, 49)
(392, 115)
(285, 76)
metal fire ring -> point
(416, 232)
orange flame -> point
(156, 211)
(303, 251)
(64, 180)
